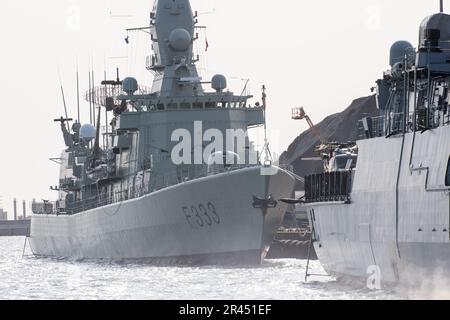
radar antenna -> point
(102, 96)
(78, 94)
(63, 120)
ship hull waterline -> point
(210, 220)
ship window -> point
(210, 105)
(185, 105)
(447, 178)
(172, 106)
(160, 106)
(197, 105)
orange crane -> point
(300, 114)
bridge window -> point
(210, 105)
(197, 105)
(447, 178)
(172, 106)
(185, 105)
(160, 106)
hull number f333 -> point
(202, 215)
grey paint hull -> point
(165, 226)
(398, 219)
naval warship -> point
(381, 210)
(131, 198)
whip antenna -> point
(64, 99)
(78, 94)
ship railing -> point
(426, 120)
(101, 200)
(372, 127)
(328, 187)
(44, 208)
(162, 181)
(385, 126)
(157, 182)
(381, 126)
(206, 101)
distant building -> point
(3, 215)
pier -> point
(15, 228)
(20, 226)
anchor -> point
(268, 203)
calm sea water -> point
(33, 278)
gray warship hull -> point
(205, 221)
(398, 218)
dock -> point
(15, 228)
(292, 243)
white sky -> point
(317, 54)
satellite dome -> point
(87, 132)
(219, 82)
(130, 85)
(398, 51)
(180, 39)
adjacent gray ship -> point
(388, 213)
(128, 199)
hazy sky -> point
(316, 54)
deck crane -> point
(300, 114)
(324, 149)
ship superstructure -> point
(388, 216)
(142, 196)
